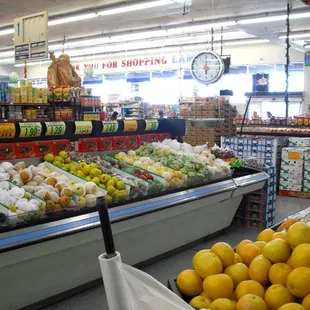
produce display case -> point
(64, 240)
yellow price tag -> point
(293, 155)
(109, 126)
(130, 125)
(83, 127)
(29, 130)
(7, 131)
(55, 128)
(151, 124)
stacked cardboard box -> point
(257, 209)
(211, 109)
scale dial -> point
(207, 67)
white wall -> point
(267, 53)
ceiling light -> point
(33, 63)
(6, 54)
(6, 31)
(7, 60)
(245, 42)
(71, 19)
(296, 36)
(136, 7)
(202, 27)
(273, 18)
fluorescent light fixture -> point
(297, 36)
(71, 19)
(273, 18)
(245, 42)
(136, 7)
(6, 31)
(7, 54)
(35, 63)
(202, 27)
(7, 60)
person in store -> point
(114, 116)
(161, 114)
(269, 115)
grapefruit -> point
(292, 306)
(200, 302)
(260, 244)
(189, 283)
(265, 235)
(203, 293)
(224, 252)
(198, 254)
(280, 235)
(259, 269)
(218, 286)
(208, 264)
(277, 295)
(250, 287)
(298, 282)
(277, 251)
(241, 244)
(298, 233)
(306, 302)
(251, 302)
(248, 252)
(222, 304)
(301, 256)
(279, 272)
(238, 273)
(237, 259)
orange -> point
(306, 302)
(251, 302)
(241, 244)
(260, 244)
(292, 306)
(222, 304)
(277, 251)
(301, 256)
(198, 254)
(218, 286)
(238, 273)
(287, 224)
(200, 302)
(248, 252)
(189, 283)
(298, 233)
(280, 235)
(237, 259)
(203, 293)
(276, 296)
(224, 252)
(259, 269)
(265, 235)
(208, 264)
(250, 287)
(298, 282)
(279, 272)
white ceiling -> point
(149, 18)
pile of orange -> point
(272, 273)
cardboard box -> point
(288, 163)
(291, 180)
(41, 148)
(295, 188)
(299, 142)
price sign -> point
(83, 127)
(7, 131)
(28, 130)
(110, 126)
(151, 124)
(55, 128)
(130, 125)
(293, 155)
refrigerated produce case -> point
(58, 258)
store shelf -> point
(282, 134)
(274, 125)
(23, 104)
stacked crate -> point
(211, 109)
(257, 209)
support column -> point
(306, 103)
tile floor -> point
(95, 299)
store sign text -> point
(136, 62)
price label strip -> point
(151, 124)
(83, 127)
(130, 125)
(110, 126)
(29, 130)
(55, 128)
(7, 131)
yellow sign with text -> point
(130, 125)
(7, 131)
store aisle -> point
(95, 299)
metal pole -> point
(245, 113)
(287, 55)
(106, 228)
